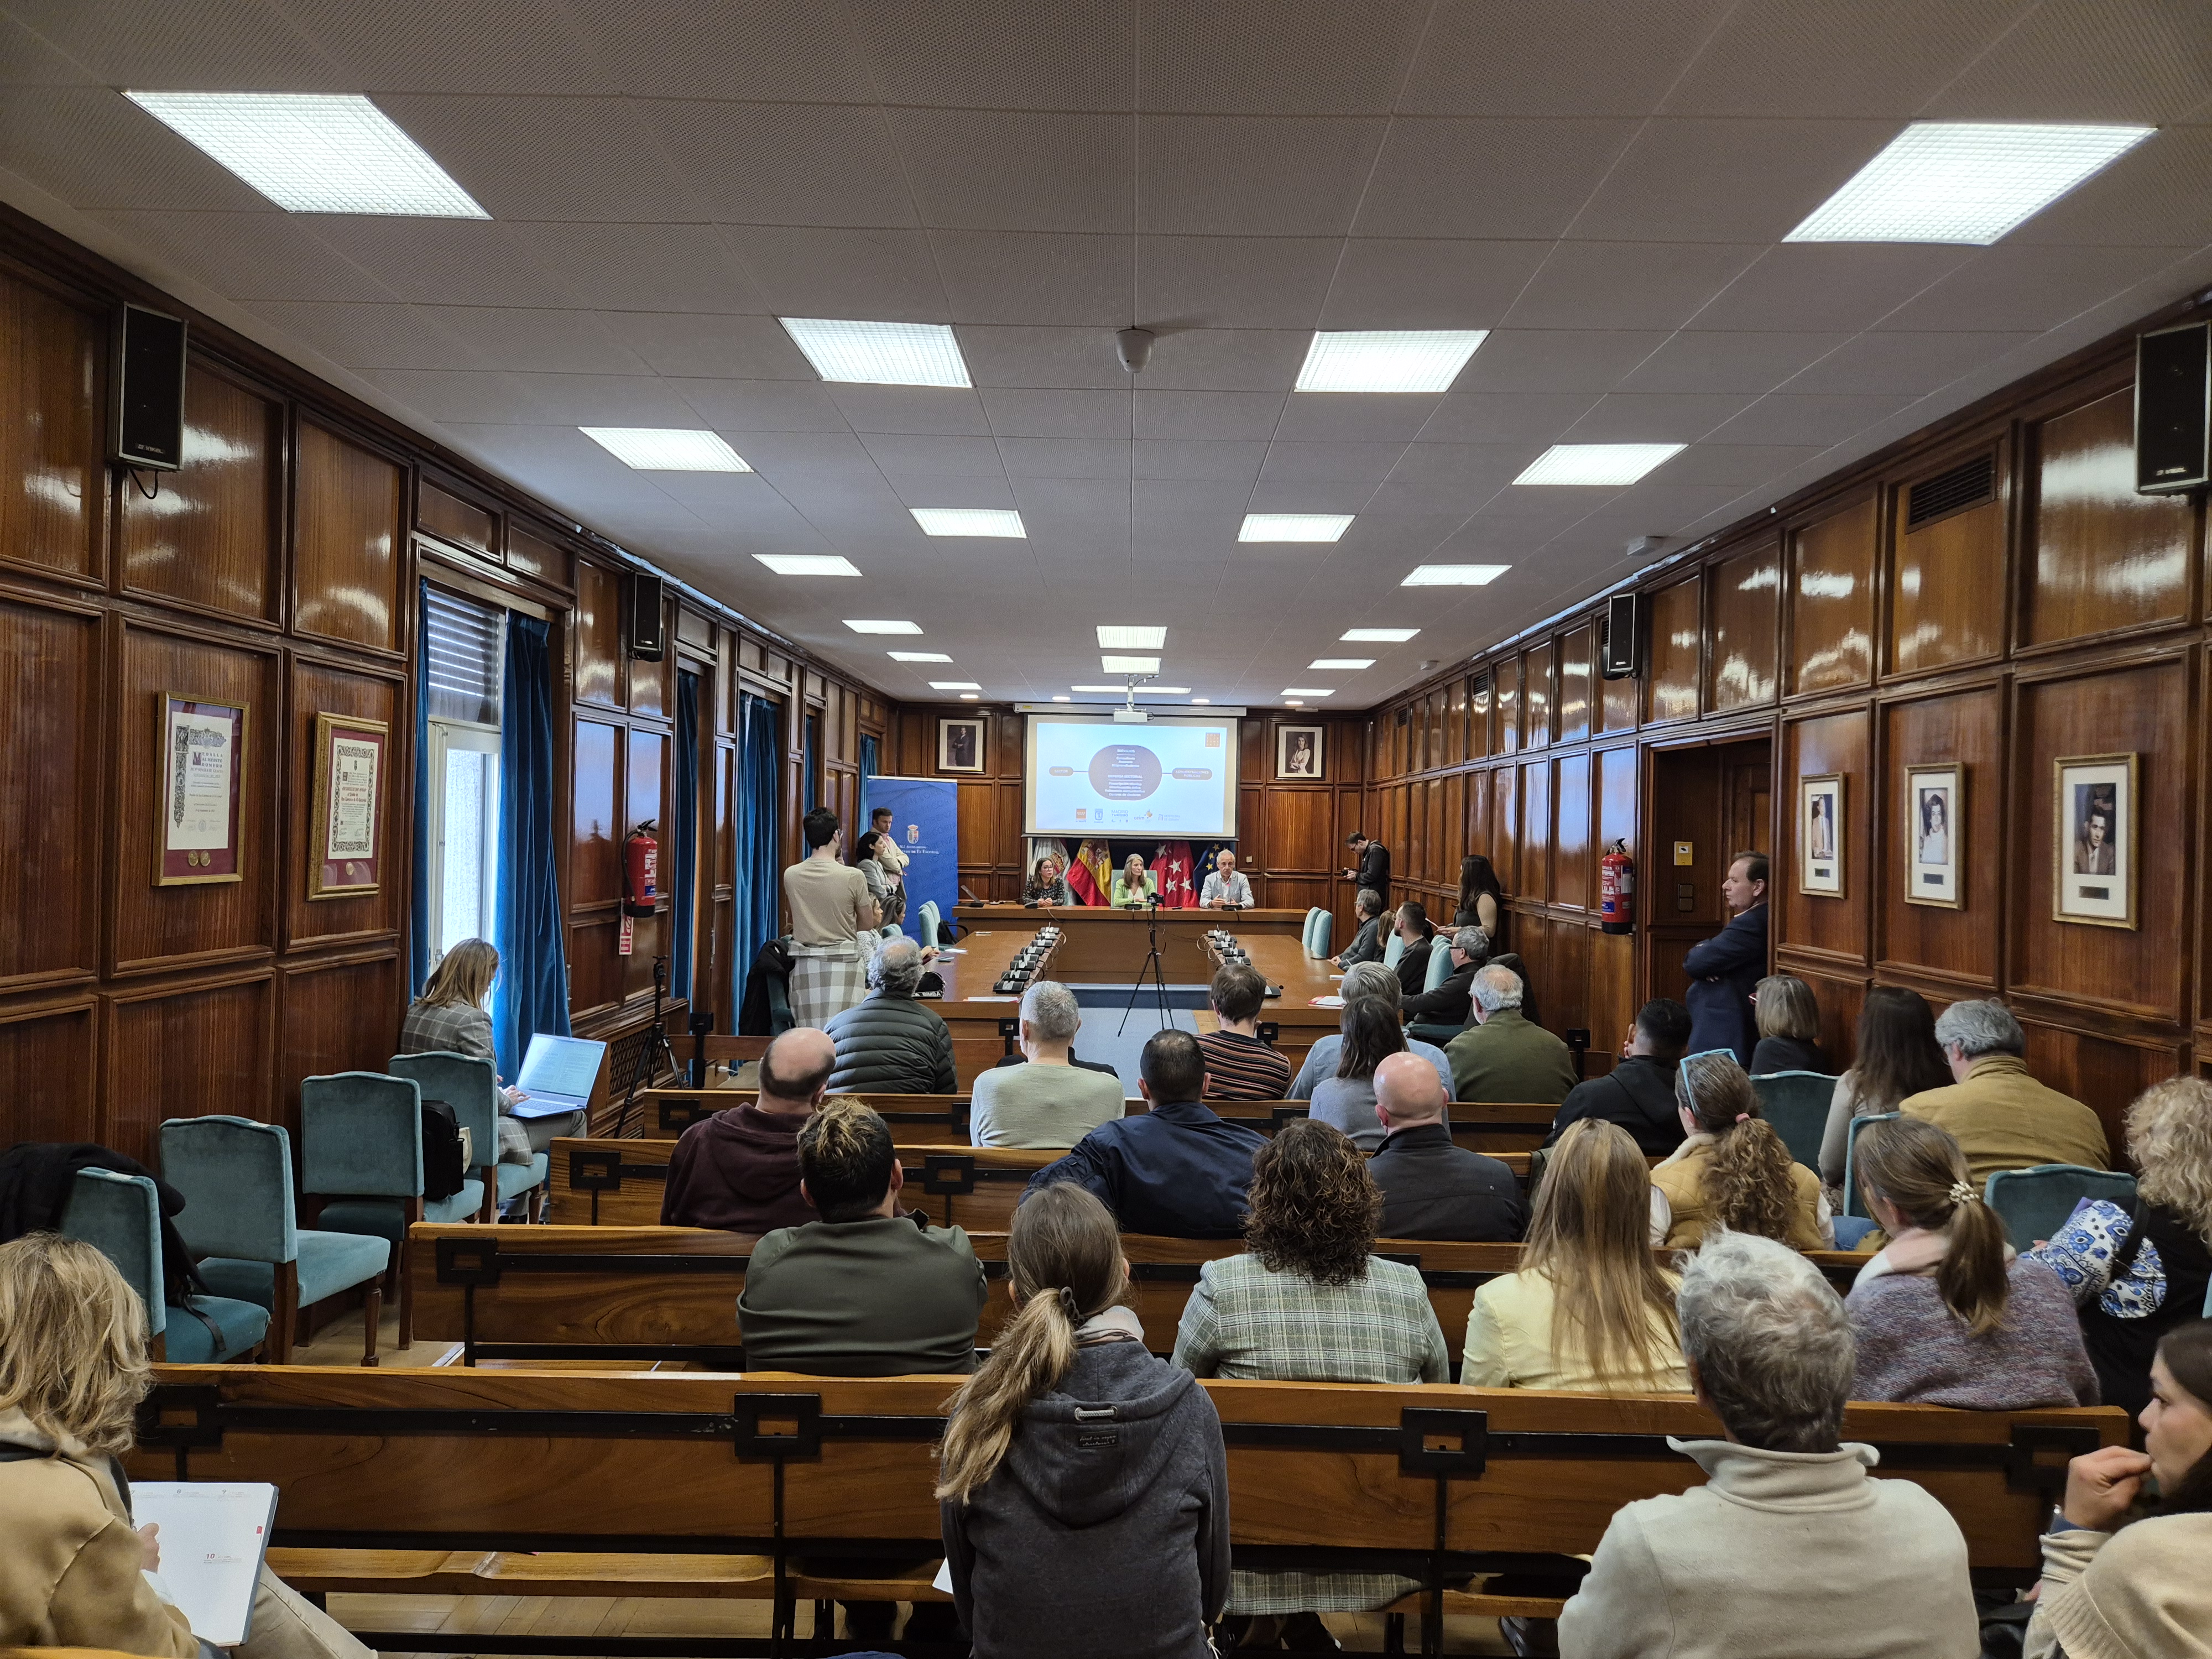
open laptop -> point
(557, 1074)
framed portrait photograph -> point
(1934, 834)
(345, 853)
(201, 751)
(1821, 836)
(1299, 753)
(2093, 825)
(960, 745)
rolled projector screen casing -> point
(1173, 779)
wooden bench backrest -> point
(627, 1462)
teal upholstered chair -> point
(120, 1216)
(1394, 949)
(2034, 1203)
(1795, 1105)
(361, 1143)
(929, 917)
(238, 1222)
(470, 1087)
(1440, 961)
(1306, 934)
(1853, 1202)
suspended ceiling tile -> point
(1005, 277)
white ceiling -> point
(1604, 183)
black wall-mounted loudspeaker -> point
(147, 419)
(645, 633)
(1624, 637)
(2173, 410)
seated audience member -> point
(449, 1018)
(1047, 1103)
(881, 875)
(864, 1291)
(1431, 1188)
(1026, 1500)
(1238, 1065)
(2002, 1118)
(2114, 1589)
(1368, 979)
(1945, 1313)
(1732, 1171)
(1047, 886)
(889, 1043)
(1504, 1056)
(1896, 1055)
(1367, 942)
(1308, 1302)
(1638, 1093)
(2137, 1270)
(1412, 924)
(1452, 1002)
(1590, 1307)
(738, 1169)
(1133, 886)
(1177, 1170)
(73, 1571)
(1345, 1100)
(1790, 1546)
(1788, 1017)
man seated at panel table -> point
(1225, 884)
(1368, 979)
(1431, 1188)
(1048, 1101)
(738, 1169)
(1177, 1170)
(1238, 1065)
(1638, 1093)
(2002, 1118)
(1504, 1055)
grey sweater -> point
(1103, 1535)
(1913, 1350)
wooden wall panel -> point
(49, 747)
(52, 431)
(1616, 818)
(645, 789)
(2142, 710)
(597, 635)
(347, 571)
(209, 539)
(1837, 744)
(1831, 600)
(165, 928)
(319, 688)
(594, 837)
(2101, 558)
(340, 1014)
(49, 1070)
(188, 1053)
(1675, 649)
(1505, 826)
(1536, 696)
(533, 556)
(1505, 693)
(1536, 831)
(1841, 996)
(1578, 674)
(2105, 1073)
(453, 518)
(1747, 592)
(651, 685)
(1456, 717)
(1944, 581)
(1481, 705)
(596, 968)
(1962, 729)
(1574, 866)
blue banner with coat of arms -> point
(925, 824)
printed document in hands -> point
(213, 1537)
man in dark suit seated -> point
(1413, 963)
(1431, 1188)
(1637, 1094)
(1727, 968)
(1452, 1002)
(1177, 1170)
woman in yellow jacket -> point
(1733, 1170)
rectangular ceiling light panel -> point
(1605, 465)
(1142, 690)
(809, 564)
(1342, 662)
(1964, 181)
(918, 656)
(1454, 576)
(1377, 635)
(1307, 691)
(1411, 360)
(970, 521)
(880, 353)
(879, 627)
(955, 685)
(312, 152)
(1130, 664)
(666, 449)
(1116, 636)
(1294, 526)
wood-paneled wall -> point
(2064, 615)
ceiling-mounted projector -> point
(1131, 716)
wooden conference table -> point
(1106, 947)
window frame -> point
(442, 737)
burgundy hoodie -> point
(738, 1170)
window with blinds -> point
(464, 649)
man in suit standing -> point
(1374, 871)
(1727, 968)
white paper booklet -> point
(212, 1538)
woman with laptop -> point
(449, 1019)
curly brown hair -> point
(1748, 1184)
(1313, 1205)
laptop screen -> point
(561, 1067)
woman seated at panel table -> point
(1134, 886)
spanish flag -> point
(1090, 874)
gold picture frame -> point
(203, 749)
(1935, 822)
(338, 866)
(2094, 840)
(1820, 872)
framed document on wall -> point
(1934, 834)
(1821, 836)
(346, 854)
(2093, 821)
(203, 761)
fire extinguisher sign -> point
(629, 934)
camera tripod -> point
(1152, 965)
(656, 1047)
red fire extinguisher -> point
(1616, 890)
(641, 870)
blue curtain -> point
(685, 832)
(759, 872)
(871, 763)
(532, 992)
(418, 906)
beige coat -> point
(2116, 1595)
(1509, 1343)
(1681, 1181)
(2003, 1119)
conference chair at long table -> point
(530, 1483)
